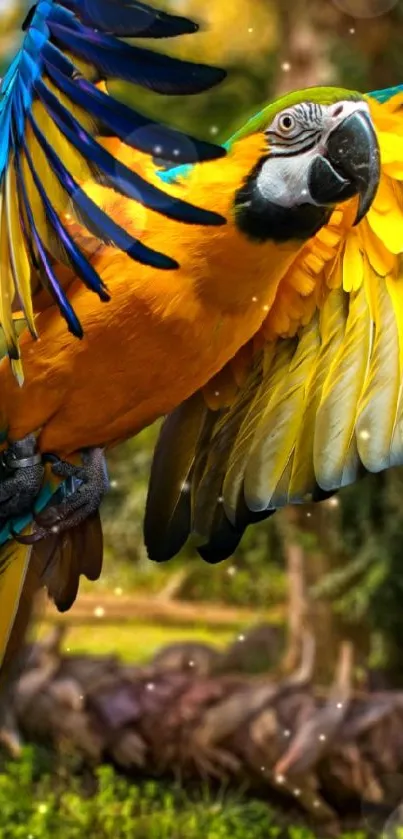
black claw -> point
(76, 503)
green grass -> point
(41, 801)
(136, 642)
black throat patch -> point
(264, 220)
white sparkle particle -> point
(333, 502)
(254, 299)
(185, 486)
(250, 30)
(113, 484)
(216, 393)
(316, 803)
(157, 149)
(322, 737)
(118, 591)
(42, 808)
(339, 704)
(352, 30)
(297, 792)
(150, 686)
(231, 571)
(263, 769)
(214, 130)
(67, 649)
(265, 308)
(309, 515)
(365, 435)
(99, 612)
(191, 664)
(287, 732)
(55, 528)
(241, 638)
(286, 66)
(220, 499)
(280, 779)
(176, 152)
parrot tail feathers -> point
(56, 563)
(17, 585)
(65, 556)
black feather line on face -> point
(263, 220)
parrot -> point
(265, 344)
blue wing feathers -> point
(134, 19)
(48, 276)
(92, 216)
(59, 33)
(115, 173)
(116, 59)
(134, 129)
(80, 264)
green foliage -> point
(123, 508)
(39, 800)
(253, 577)
(368, 582)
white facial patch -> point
(283, 180)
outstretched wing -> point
(322, 401)
(53, 104)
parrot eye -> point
(286, 123)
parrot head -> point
(320, 149)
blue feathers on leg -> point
(78, 498)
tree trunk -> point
(311, 554)
(304, 59)
(297, 595)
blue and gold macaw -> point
(266, 346)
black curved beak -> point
(351, 165)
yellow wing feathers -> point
(323, 400)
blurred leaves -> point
(40, 799)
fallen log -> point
(326, 751)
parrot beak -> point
(350, 165)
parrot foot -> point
(81, 496)
(21, 475)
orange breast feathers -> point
(163, 335)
